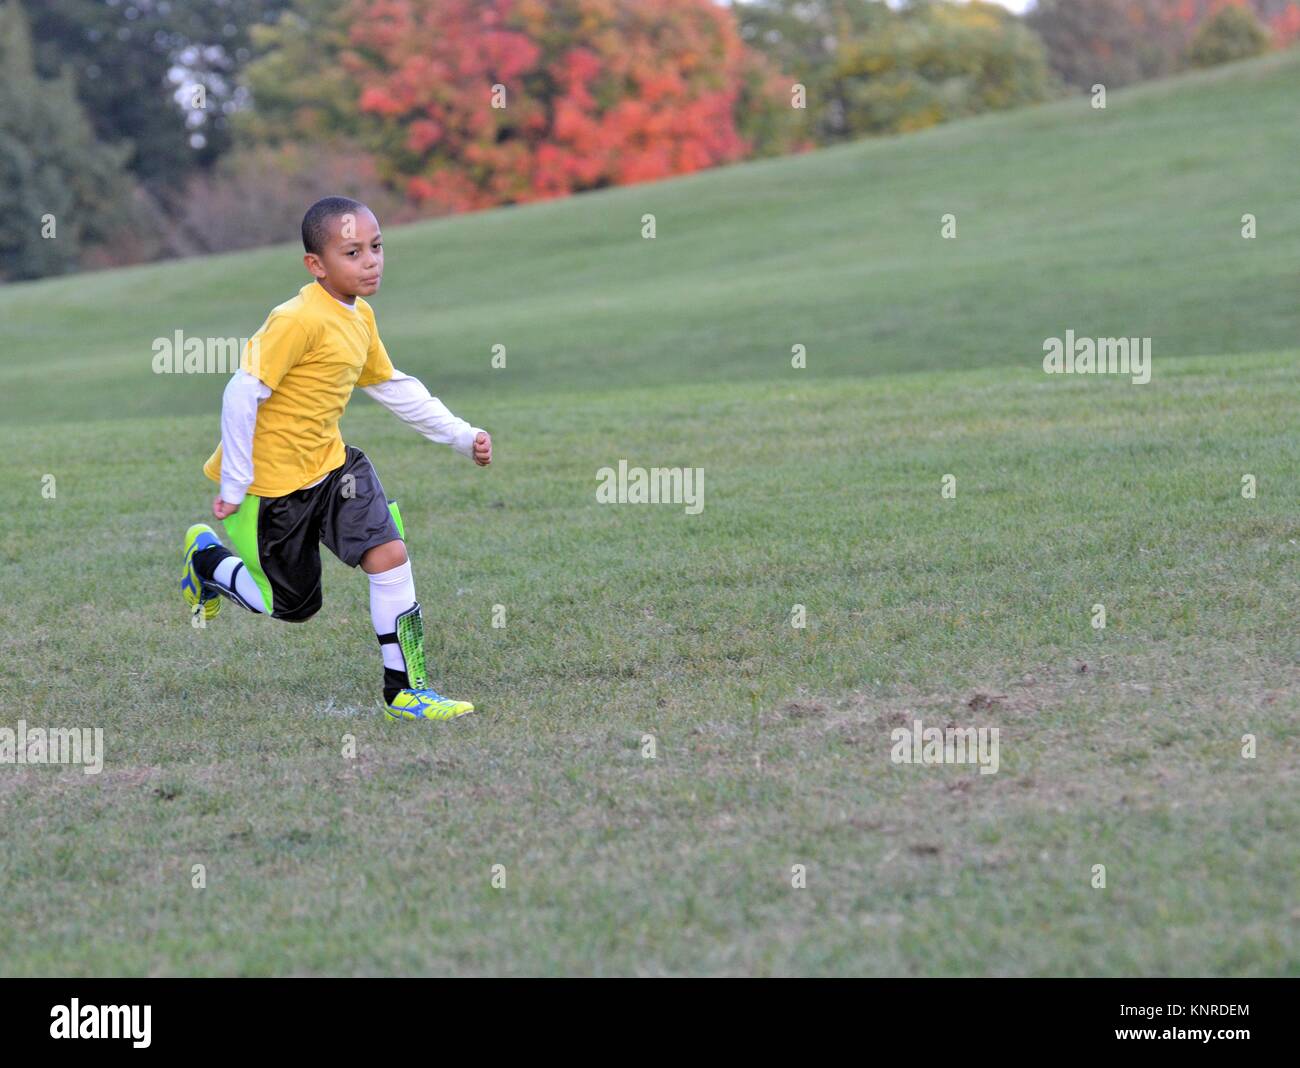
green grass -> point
(1119, 747)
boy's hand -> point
(221, 509)
(483, 448)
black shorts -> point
(279, 538)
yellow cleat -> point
(425, 704)
(197, 595)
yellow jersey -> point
(311, 352)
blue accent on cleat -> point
(425, 704)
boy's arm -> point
(239, 404)
(407, 398)
(270, 354)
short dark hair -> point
(315, 224)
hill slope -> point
(1122, 222)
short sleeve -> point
(273, 351)
(378, 368)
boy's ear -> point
(312, 262)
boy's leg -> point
(275, 568)
(242, 529)
(392, 597)
(361, 527)
(221, 570)
(399, 626)
(233, 578)
(237, 575)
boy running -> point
(288, 483)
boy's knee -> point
(384, 557)
(300, 613)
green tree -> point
(936, 62)
(871, 69)
(804, 38)
(297, 78)
(1228, 35)
(130, 59)
(60, 189)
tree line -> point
(133, 130)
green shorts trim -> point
(242, 528)
(397, 518)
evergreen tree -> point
(130, 59)
(60, 189)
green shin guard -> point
(410, 639)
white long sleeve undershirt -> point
(404, 396)
(409, 400)
(244, 394)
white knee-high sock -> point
(244, 591)
(391, 593)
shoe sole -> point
(397, 717)
(212, 605)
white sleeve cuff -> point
(465, 444)
(233, 494)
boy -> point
(289, 483)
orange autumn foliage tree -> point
(483, 102)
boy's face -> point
(351, 262)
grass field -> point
(1121, 747)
